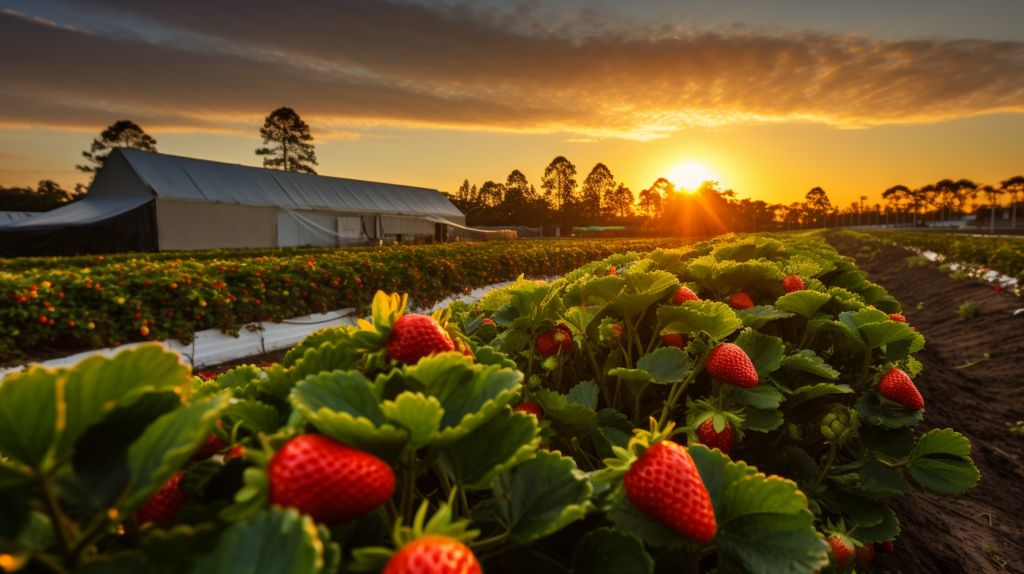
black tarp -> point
(127, 228)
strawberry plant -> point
(599, 422)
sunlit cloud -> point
(354, 66)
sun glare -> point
(690, 176)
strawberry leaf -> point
(759, 397)
(804, 303)
(503, 442)
(29, 439)
(765, 351)
(275, 541)
(611, 551)
(941, 462)
(805, 360)
(419, 414)
(628, 518)
(256, 416)
(570, 419)
(585, 394)
(880, 481)
(758, 316)
(875, 521)
(333, 335)
(880, 411)
(693, 317)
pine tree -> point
(122, 133)
(294, 152)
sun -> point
(690, 176)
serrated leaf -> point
(879, 411)
(942, 441)
(541, 496)
(419, 414)
(804, 303)
(314, 340)
(882, 480)
(887, 529)
(257, 416)
(805, 360)
(611, 551)
(893, 443)
(945, 474)
(29, 439)
(275, 541)
(760, 397)
(692, 317)
(761, 420)
(758, 316)
(887, 332)
(765, 351)
(503, 442)
(666, 364)
(585, 394)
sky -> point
(772, 97)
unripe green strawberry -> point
(898, 388)
(328, 480)
(865, 554)
(212, 446)
(684, 294)
(897, 317)
(711, 439)
(164, 505)
(842, 548)
(675, 340)
(792, 283)
(741, 301)
(433, 555)
(730, 365)
(529, 408)
(549, 342)
(416, 336)
(664, 484)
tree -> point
(48, 195)
(1014, 187)
(895, 195)
(293, 152)
(122, 133)
(559, 185)
(491, 194)
(817, 204)
(650, 202)
(619, 202)
(993, 196)
(600, 183)
(964, 190)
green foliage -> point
(967, 310)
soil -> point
(263, 361)
(982, 530)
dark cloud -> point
(228, 63)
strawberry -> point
(328, 480)
(741, 301)
(207, 375)
(433, 555)
(611, 271)
(616, 332)
(487, 322)
(212, 445)
(887, 546)
(730, 365)
(164, 505)
(236, 451)
(416, 336)
(897, 317)
(865, 554)
(684, 294)
(664, 484)
(792, 283)
(564, 327)
(898, 388)
(721, 440)
(675, 340)
(549, 342)
(529, 408)
(842, 548)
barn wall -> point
(406, 226)
(117, 178)
(201, 225)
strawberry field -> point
(747, 404)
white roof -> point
(84, 211)
(175, 177)
(10, 217)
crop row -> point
(95, 301)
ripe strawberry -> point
(236, 451)
(684, 294)
(897, 317)
(549, 342)
(675, 340)
(730, 365)
(887, 546)
(741, 301)
(564, 327)
(433, 555)
(528, 407)
(616, 332)
(212, 445)
(328, 480)
(842, 548)
(792, 283)
(865, 554)
(611, 271)
(721, 440)
(664, 484)
(416, 336)
(164, 505)
(897, 387)
(487, 322)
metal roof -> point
(175, 177)
(11, 217)
(84, 211)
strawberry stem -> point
(833, 450)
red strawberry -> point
(549, 342)
(730, 365)
(741, 301)
(865, 554)
(487, 322)
(675, 340)
(897, 387)
(212, 446)
(433, 555)
(236, 451)
(793, 283)
(842, 548)
(328, 480)
(897, 317)
(684, 294)
(164, 505)
(611, 271)
(711, 439)
(664, 484)
(887, 546)
(616, 332)
(529, 408)
(416, 336)
(207, 375)
(564, 327)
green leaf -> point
(805, 360)
(895, 443)
(29, 439)
(881, 480)
(942, 441)
(275, 541)
(941, 462)
(504, 441)
(765, 351)
(629, 518)
(760, 397)
(758, 316)
(167, 444)
(541, 496)
(584, 394)
(887, 332)
(761, 420)
(879, 411)
(666, 364)
(570, 419)
(611, 551)
(256, 416)
(804, 303)
(314, 340)
(887, 526)
(419, 414)
(692, 317)
(812, 392)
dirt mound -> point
(983, 530)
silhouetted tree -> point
(600, 183)
(559, 184)
(491, 194)
(48, 195)
(817, 204)
(619, 201)
(896, 196)
(964, 191)
(1014, 187)
(122, 133)
(293, 152)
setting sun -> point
(690, 176)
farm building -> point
(144, 201)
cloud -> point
(352, 64)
